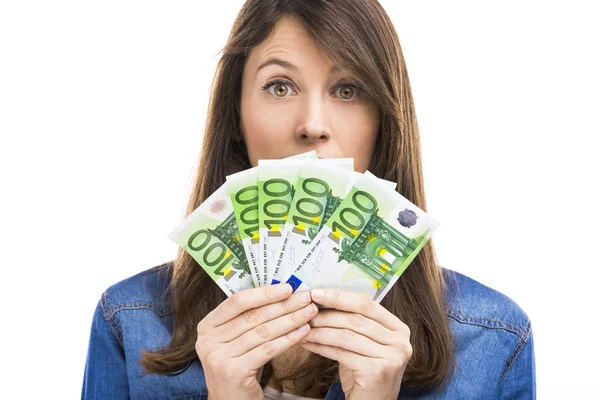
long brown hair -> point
(359, 36)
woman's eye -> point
(280, 88)
(347, 91)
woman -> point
(297, 76)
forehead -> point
(290, 47)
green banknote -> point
(210, 235)
(242, 188)
(319, 190)
(276, 179)
(368, 242)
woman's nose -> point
(314, 127)
(313, 135)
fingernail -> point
(284, 288)
(309, 309)
(318, 293)
(303, 328)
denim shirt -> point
(492, 338)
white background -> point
(102, 110)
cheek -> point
(357, 136)
(263, 132)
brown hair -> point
(359, 36)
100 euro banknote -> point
(210, 235)
(243, 191)
(368, 242)
(276, 180)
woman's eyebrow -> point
(289, 65)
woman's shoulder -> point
(493, 341)
(471, 302)
(493, 344)
(145, 290)
(133, 316)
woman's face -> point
(313, 108)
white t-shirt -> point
(273, 394)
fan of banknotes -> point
(310, 222)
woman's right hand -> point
(247, 330)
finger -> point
(347, 358)
(259, 356)
(272, 330)
(349, 340)
(245, 300)
(256, 316)
(357, 322)
(354, 302)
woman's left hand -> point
(370, 344)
